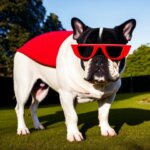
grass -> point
(129, 115)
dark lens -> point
(85, 51)
(114, 51)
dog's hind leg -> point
(23, 82)
(39, 92)
(22, 93)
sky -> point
(105, 13)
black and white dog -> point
(75, 79)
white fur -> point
(68, 80)
(100, 32)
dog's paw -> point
(77, 136)
(108, 131)
(23, 131)
(39, 127)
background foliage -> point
(138, 63)
(21, 20)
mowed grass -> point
(129, 115)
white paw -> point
(77, 136)
(23, 131)
(108, 131)
(39, 127)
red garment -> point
(44, 48)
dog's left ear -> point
(127, 28)
(78, 27)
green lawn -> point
(129, 115)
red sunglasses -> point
(111, 51)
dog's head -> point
(101, 67)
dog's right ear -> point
(78, 27)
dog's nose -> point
(99, 60)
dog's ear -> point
(78, 27)
(127, 28)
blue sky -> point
(105, 13)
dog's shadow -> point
(130, 116)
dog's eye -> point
(114, 51)
(85, 51)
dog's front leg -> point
(103, 113)
(67, 102)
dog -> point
(80, 72)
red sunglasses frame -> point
(124, 52)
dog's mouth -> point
(101, 81)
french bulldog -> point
(76, 80)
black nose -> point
(99, 60)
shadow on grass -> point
(130, 116)
(118, 117)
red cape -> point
(44, 48)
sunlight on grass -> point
(129, 117)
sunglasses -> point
(111, 51)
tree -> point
(52, 23)
(21, 20)
(138, 63)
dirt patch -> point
(145, 101)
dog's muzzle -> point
(98, 70)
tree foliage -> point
(21, 20)
(138, 63)
(52, 23)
